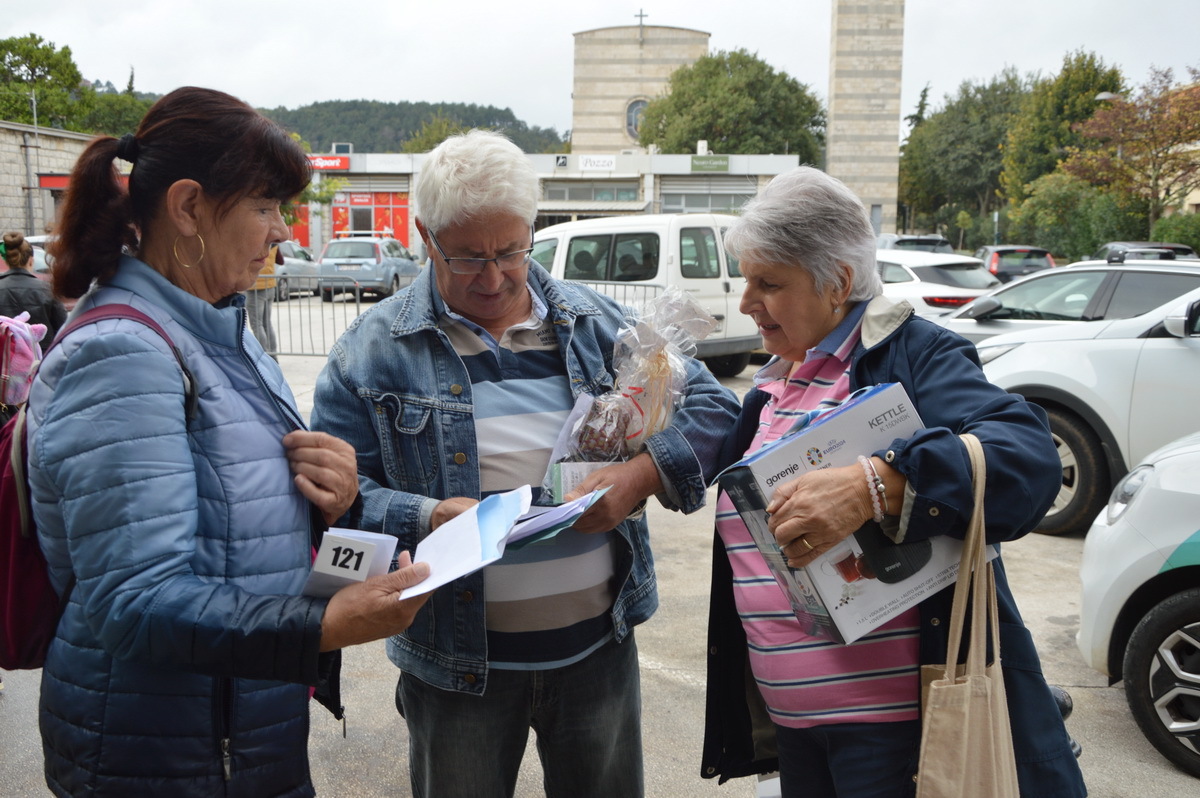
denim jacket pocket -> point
(407, 442)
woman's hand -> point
(371, 610)
(628, 484)
(326, 471)
(814, 512)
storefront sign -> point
(710, 163)
(326, 163)
(597, 163)
(361, 199)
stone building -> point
(34, 166)
(863, 128)
(617, 72)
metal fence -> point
(306, 325)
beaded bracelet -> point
(875, 485)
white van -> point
(632, 258)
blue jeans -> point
(849, 760)
(587, 717)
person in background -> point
(457, 388)
(843, 720)
(259, 299)
(179, 511)
(22, 290)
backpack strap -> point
(122, 311)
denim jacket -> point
(397, 391)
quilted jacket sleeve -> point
(112, 452)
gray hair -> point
(473, 175)
(807, 219)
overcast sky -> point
(519, 55)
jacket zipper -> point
(223, 709)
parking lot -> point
(371, 761)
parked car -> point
(1085, 291)
(297, 273)
(933, 283)
(633, 258)
(1113, 247)
(920, 243)
(1010, 261)
(362, 262)
(1140, 611)
(1114, 391)
(1142, 253)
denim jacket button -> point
(934, 512)
(469, 678)
(467, 595)
(460, 458)
(890, 456)
(456, 389)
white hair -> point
(807, 219)
(473, 175)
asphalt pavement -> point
(370, 760)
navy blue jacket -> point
(941, 373)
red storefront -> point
(369, 203)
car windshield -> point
(963, 275)
(350, 249)
(924, 245)
(1058, 297)
(1023, 258)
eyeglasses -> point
(506, 262)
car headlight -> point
(1125, 491)
(989, 353)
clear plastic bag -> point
(650, 361)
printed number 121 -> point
(343, 555)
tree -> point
(111, 112)
(1145, 147)
(739, 104)
(953, 157)
(34, 70)
(1182, 228)
(1071, 217)
(1043, 128)
(439, 128)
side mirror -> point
(1184, 321)
(981, 307)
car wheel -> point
(728, 365)
(392, 288)
(281, 290)
(1162, 678)
(1084, 488)
(326, 294)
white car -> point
(932, 282)
(1082, 292)
(1140, 613)
(1114, 391)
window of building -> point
(703, 203)
(592, 190)
(634, 112)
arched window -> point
(633, 117)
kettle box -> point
(866, 579)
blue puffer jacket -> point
(180, 663)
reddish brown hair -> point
(208, 136)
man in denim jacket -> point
(455, 389)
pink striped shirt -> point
(808, 681)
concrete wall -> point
(615, 66)
(863, 148)
(26, 153)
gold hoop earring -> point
(175, 251)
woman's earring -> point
(175, 251)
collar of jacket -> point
(883, 317)
(416, 313)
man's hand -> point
(628, 484)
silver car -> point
(297, 273)
(357, 263)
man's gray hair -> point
(474, 175)
(807, 219)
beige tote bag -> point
(966, 739)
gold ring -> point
(806, 543)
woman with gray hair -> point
(843, 720)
